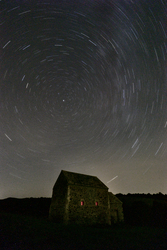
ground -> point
(23, 232)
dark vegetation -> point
(145, 209)
(24, 224)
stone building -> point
(83, 199)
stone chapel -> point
(83, 199)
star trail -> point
(83, 88)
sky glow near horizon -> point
(83, 88)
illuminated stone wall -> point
(88, 205)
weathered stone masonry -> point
(83, 199)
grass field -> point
(23, 232)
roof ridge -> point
(78, 173)
(74, 178)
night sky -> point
(83, 88)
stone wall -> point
(57, 211)
(116, 209)
(95, 205)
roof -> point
(83, 180)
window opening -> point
(82, 203)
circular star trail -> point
(83, 87)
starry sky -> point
(83, 88)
